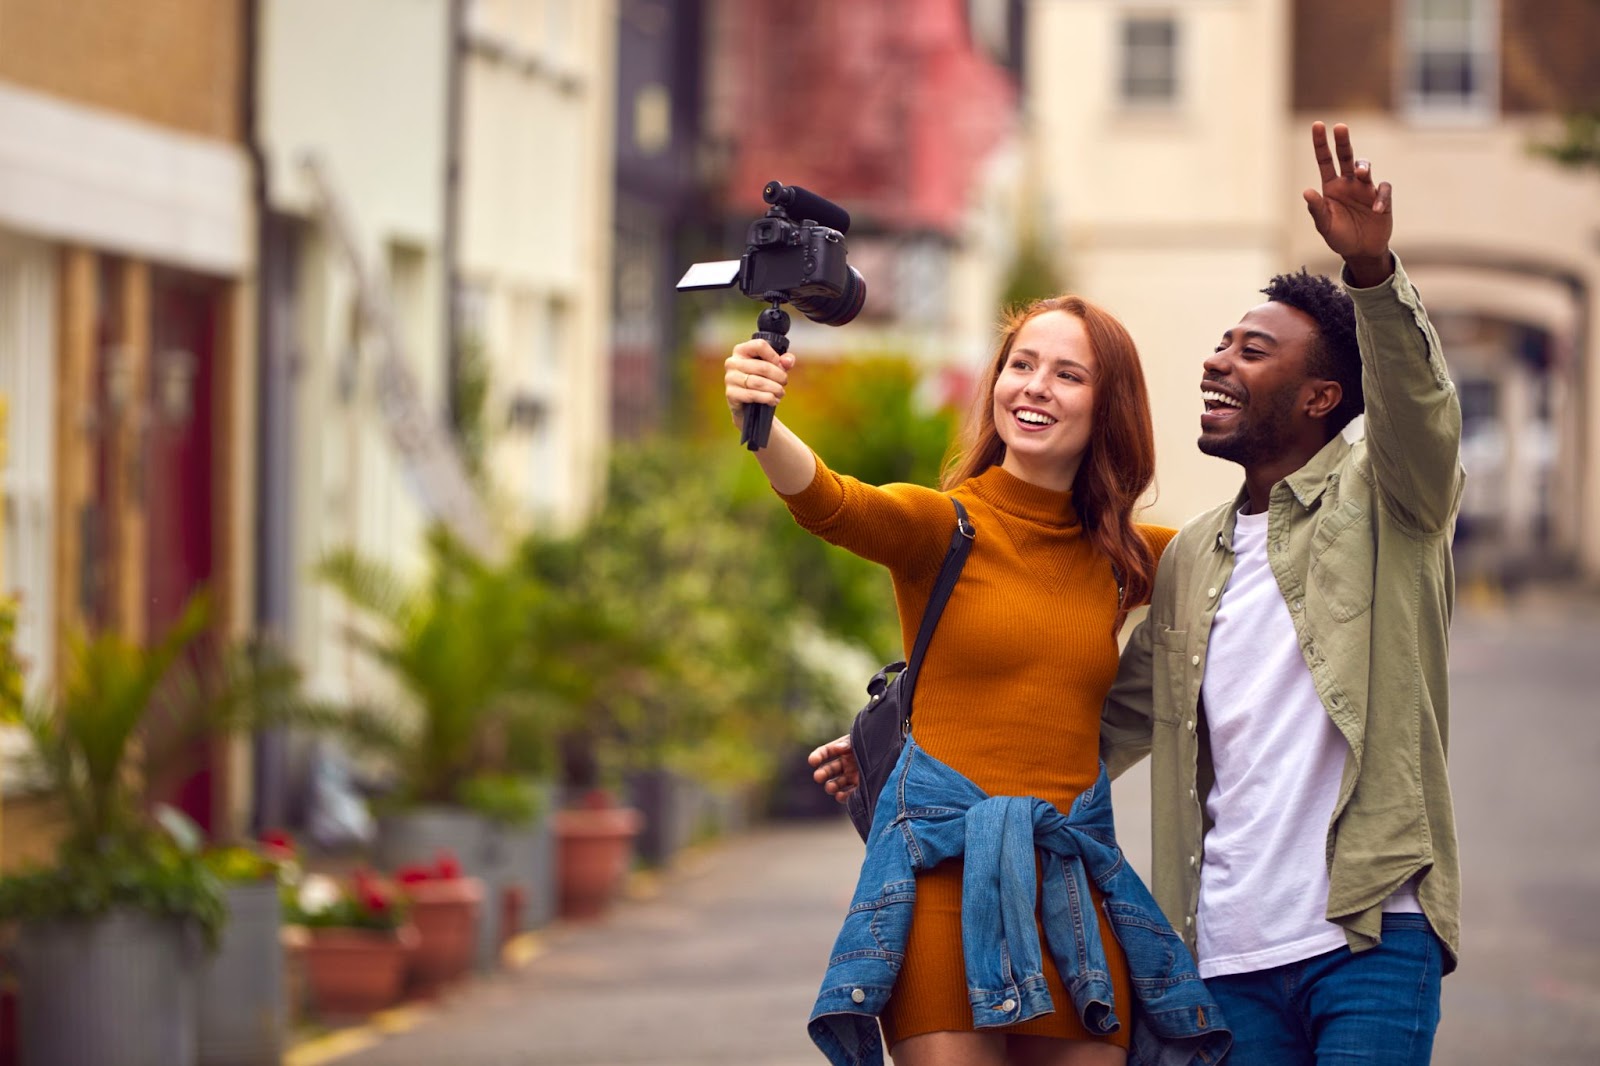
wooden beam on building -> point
(125, 509)
(75, 398)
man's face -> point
(1255, 384)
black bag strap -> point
(955, 557)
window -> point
(652, 119)
(537, 403)
(408, 279)
(1451, 58)
(1149, 61)
(552, 450)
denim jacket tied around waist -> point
(929, 813)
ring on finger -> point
(747, 381)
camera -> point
(795, 254)
(795, 262)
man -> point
(1290, 681)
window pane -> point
(1149, 59)
(1446, 11)
(1451, 54)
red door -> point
(179, 489)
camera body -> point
(794, 254)
(806, 263)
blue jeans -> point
(1377, 1007)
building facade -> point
(663, 208)
(335, 115)
(126, 266)
(534, 276)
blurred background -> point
(328, 310)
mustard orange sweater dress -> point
(1010, 691)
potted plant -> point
(130, 900)
(518, 843)
(357, 942)
(110, 935)
(444, 907)
(457, 645)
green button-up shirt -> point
(1359, 540)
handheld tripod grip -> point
(757, 426)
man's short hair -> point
(1334, 353)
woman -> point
(1058, 451)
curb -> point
(517, 953)
(334, 1046)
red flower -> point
(446, 865)
(413, 874)
(370, 892)
(277, 844)
(373, 899)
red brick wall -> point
(1345, 55)
(1550, 55)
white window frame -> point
(1480, 43)
(1128, 54)
(27, 477)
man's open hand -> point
(1354, 216)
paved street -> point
(718, 964)
(716, 967)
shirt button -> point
(1191, 862)
(1298, 605)
(1009, 1005)
(1191, 793)
(1189, 725)
(857, 996)
(1194, 660)
(1211, 592)
(1187, 922)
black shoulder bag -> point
(879, 731)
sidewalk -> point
(714, 963)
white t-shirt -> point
(1278, 759)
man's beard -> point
(1261, 440)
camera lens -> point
(836, 310)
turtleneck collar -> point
(1008, 493)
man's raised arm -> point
(1413, 416)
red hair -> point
(1120, 462)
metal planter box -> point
(118, 989)
(243, 1007)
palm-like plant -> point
(457, 643)
(86, 737)
(85, 745)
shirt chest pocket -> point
(1173, 669)
(1342, 562)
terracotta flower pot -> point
(594, 848)
(445, 914)
(356, 971)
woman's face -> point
(1044, 400)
